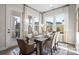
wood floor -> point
(15, 51)
(8, 51)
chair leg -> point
(51, 52)
(36, 51)
(54, 49)
(19, 53)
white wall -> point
(72, 23)
(77, 31)
(2, 27)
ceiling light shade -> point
(50, 5)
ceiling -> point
(45, 7)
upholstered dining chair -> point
(26, 48)
(48, 43)
(55, 39)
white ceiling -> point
(45, 7)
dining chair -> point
(55, 39)
(48, 42)
(26, 48)
(30, 39)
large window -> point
(49, 24)
(30, 24)
(33, 26)
(15, 26)
(36, 24)
(60, 22)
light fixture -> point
(50, 5)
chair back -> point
(54, 39)
(25, 48)
(22, 45)
(58, 37)
(49, 41)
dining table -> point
(39, 42)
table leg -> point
(37, 52)
(40, 48)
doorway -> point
(13, 27)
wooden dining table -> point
(39, 42)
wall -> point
(77, 29)
(2, 27)
(72, 24)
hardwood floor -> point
(8, 51)
(15, 51)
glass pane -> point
(36, 24)
(30, 24)
(49, 22)
(60, 25)
(15, 27)
(60, 22)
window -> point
(30, 24)
(15, 26)
(33, 25)
(60, 22)
(49, 23)
(36, 24)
